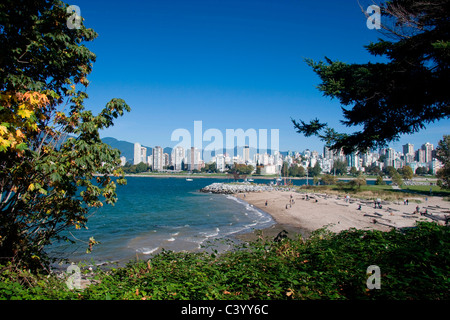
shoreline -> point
(301, 213)
(270, 177)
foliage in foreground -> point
(50, 146)
(414, 264)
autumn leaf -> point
(25, 113)
(3, 129)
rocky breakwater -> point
(226, 188)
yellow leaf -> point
(19, 134)
(4, 143)
(31, 187)
(3, 129)
(24, 113)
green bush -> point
(414, 264)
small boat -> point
(189, 179)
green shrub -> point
(414, 264)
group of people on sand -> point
(291, 202)
(288, 205)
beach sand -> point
(302, 216)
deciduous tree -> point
(54, 168)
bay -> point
(153, 214)
(156, 213)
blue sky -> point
(231, 64)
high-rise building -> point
(420, 155)
(166, 160)
(428, 148)
(158, 159)
(220, 162)
(246, 154)
(140, 153)
(390, 157)
(408, 149)
(353, 160)
(137, 153)
(194, 159)
(178, 157)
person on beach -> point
(266, 203)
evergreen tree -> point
(398, 97)
(443, 155)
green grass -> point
(414, 264)
(425, 190)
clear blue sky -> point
(231, 64)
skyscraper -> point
(428, 148)
(137, 153)
(390, 157)
(194, 159)
(408, 149)
(178, 157)
(420, 156)
(140, 153)
(246, 154)
(158, 160)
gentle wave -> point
(146, 250)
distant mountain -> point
(127, 148)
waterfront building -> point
(166, 160)
(246, 155)
(194, 159)
(178, 158)
(390, 157)
(428, 148)
(408, 149)
(220, 162)
(140, 153)
(353, 160)
(420, 155)
(158, 159)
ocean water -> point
(155, 213)
(152, 214)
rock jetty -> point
(227, 188)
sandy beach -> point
(305, 212)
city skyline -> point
(320, 149)
(191, 158)
(231, 64)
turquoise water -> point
(156, 213)
(162, 213)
